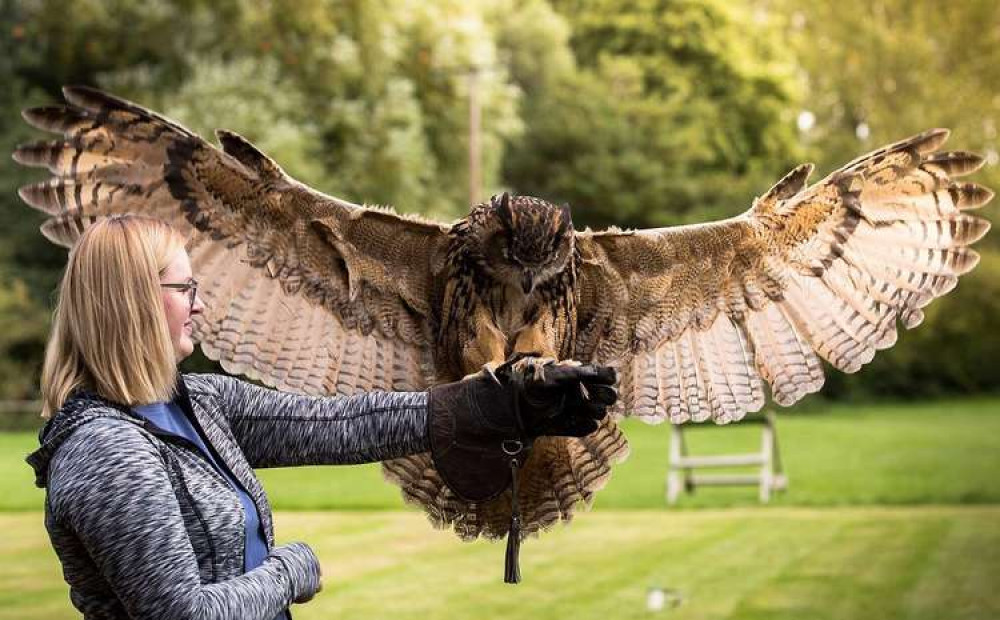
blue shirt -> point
(170, 417)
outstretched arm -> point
(279, 429)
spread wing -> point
(699, 317)
(303, 291)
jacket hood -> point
(79, 409)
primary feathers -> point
(314, 294)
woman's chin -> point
(183, 349)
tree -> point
(880, 71)
(678, 114)
(636, 112)
(365, 99)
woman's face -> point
(177, 305)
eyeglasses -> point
(190, 287)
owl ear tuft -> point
(504, 210)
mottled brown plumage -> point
(317, 295)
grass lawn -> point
(944, 452)
(893, 511)
(913, 563)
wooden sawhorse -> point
(770, 476)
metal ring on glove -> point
(512, 447)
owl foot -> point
(533, 367)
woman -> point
(152, 505)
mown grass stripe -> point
(902, 563)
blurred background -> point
(640, 113)
(637, 113)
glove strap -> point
(512, 569)
(514, 449)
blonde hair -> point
(109, 331)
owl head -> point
(527, 241)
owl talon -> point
(489, 369)
(532, 368)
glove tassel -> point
(512, 569)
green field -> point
(910, 563)
(945, 452)
(893, 511)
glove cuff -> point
(471, 448)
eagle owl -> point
(313, 294)
(510, 285)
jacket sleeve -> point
(279, 429)
(109, 488)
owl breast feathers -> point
(313, 294)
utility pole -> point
(475, 122)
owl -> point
(313, 294)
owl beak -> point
(527, 283)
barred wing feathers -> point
(699, 317)
(303, 291)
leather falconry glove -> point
(481, 428)
(567, 401)
(476, 423)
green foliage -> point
(448, 45)
(23, 253)
(635, 112)
(29, 265)
(245, 95)
(59, 42)
(533, 42)
(676, 115)
(364, 99)
(23, 324)
(898, 67)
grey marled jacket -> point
(146, 528)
